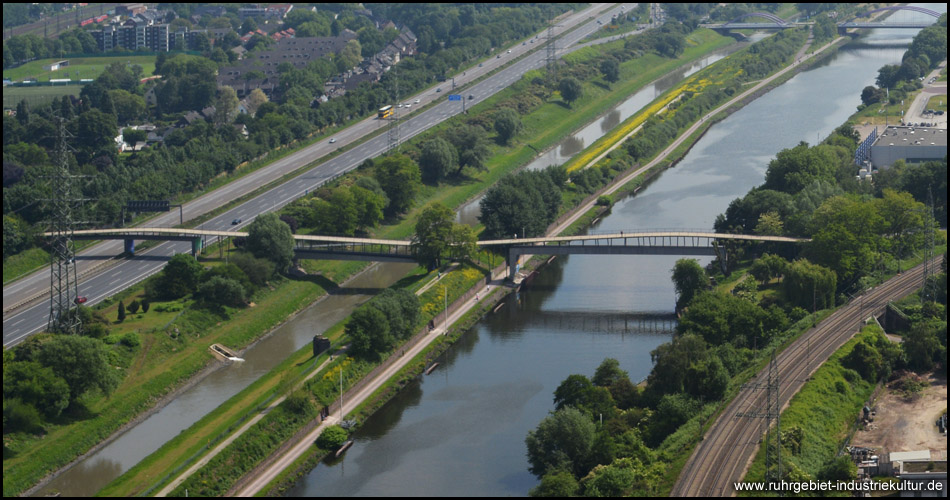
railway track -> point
(730, 445)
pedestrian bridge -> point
(383, 250)
(772, 22)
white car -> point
(408, 105)
(416, 101)
(332, 140)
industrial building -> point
(911, 144)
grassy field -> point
(24, 263)
(79, 68)
(36, 96)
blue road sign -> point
(455, 97)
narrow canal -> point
(460, 431)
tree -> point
(332, 437)
(179, 278)
(269, 237)
(433, 232)
(769, 224)
(724, 318)
(689, 279)
(254, 101)
(558, 483)
(810, 286)
(82, 362)
(562, 441)
(221, 291)
(438, 158)
(368, 331)
(610, 69)
(571, 89)
(399, 176)
(226, 107)
(903, 220)
(608, 373)
(121, 312)
(507, 124)
(35, 385)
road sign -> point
(455, 97)
(147, 206)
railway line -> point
(730, 445)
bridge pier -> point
(129, 247)
(196, 245)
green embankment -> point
(824, 409)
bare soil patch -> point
(906, 425)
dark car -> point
(235, 222)
(470, 97)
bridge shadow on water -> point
(334, 289)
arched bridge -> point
(772, 22)
(889, 24)
(383, 250)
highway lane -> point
(125, 272)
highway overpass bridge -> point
(383, 250)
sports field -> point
(79, 68)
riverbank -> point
(312, 459)
(575, 114)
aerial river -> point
(460, 431)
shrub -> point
(332, 437)
(134, 306)
(130, 339)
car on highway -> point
(438, 89)
(235, 222)
(332, 140)
(509, 51)
(479, 65)
(81, 299)
(416, 101)
(470, 97)
(400, 105)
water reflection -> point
(609, 122)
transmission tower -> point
(773, 433)
(551, 57)
(394, 119)
(63, 279)
(928, 291)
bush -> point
(134, 307)
(332, 437)
(604, 200)
(21, 417)
(130, 339)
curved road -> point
(731, 444)
(100, 280)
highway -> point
(102, 276)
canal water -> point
(460, 431)
(97, 470)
